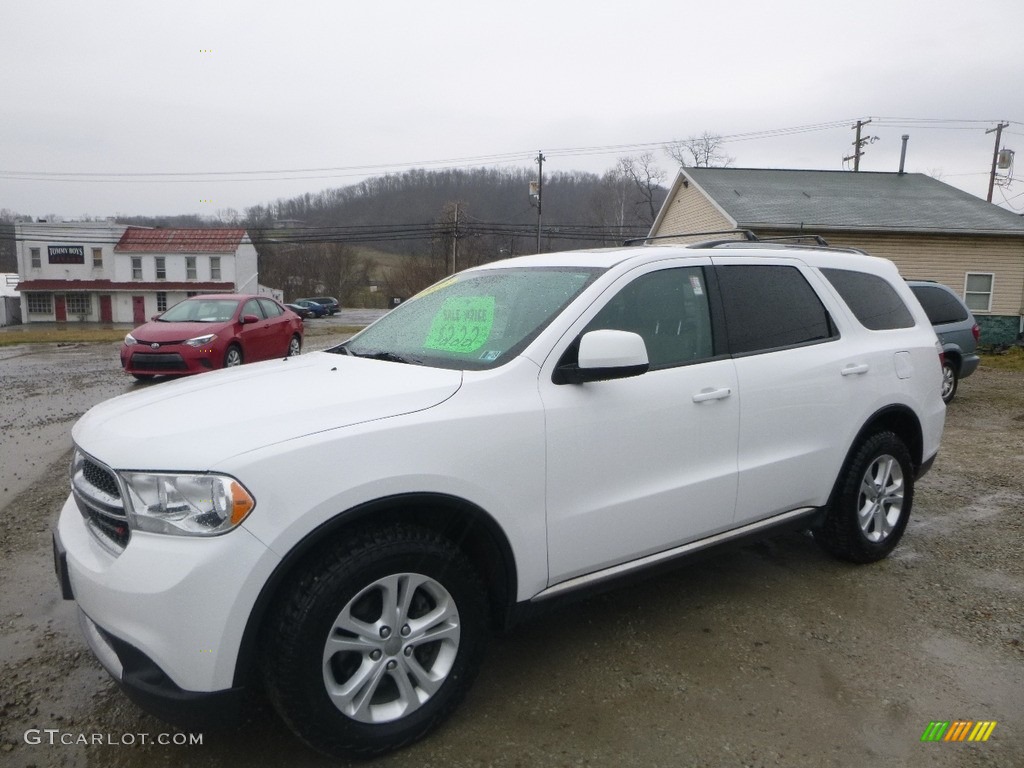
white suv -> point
(514, 433)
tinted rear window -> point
(939, 304)
(768, 307)
(871, 299)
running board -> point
(590, 579)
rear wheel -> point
(294, 346)
(233, 356)
(375, 641)
(950, 381)
(871, 502)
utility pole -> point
(858, 144)
(995, 157)
(540, 192)
(455, 238)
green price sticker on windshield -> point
(462, 324)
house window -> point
(978, 291)
(161, 301)
(190, 267)
(40, 303)
(136, 267)
(161, 268)
(97, 257)
(37, 261)
(215, 267)
(79, 303)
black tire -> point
(233, 356)
(347, 583)
(857, 527)
(294, 346)
(143, 376)
(950, 381)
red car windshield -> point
(200, 311)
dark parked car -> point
(211, 331)
(304, 312)
(957, 331)
(329, 302)
(318, 310)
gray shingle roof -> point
(911, 202)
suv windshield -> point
(473, 320)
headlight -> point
(200, 341)
(129, 340)
(186, 505)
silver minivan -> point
(957, 331)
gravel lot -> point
(769, 655)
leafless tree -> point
(312, 269)
(648, 180)
(704, 151)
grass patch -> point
(1012, 359)
(73, 335)
(69, 335)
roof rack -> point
(818, 239)
(747, 234)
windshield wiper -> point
(390, 357)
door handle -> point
(854, 369)
(711, 394)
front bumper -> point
(170, 360)
(166, 616)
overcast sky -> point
(230, 103)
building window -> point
(136, 267)
(190, 294)
(161, 268)
(978, 291)
(190, 267)
(40, 303)
(97, 257)
(215, 267)
(79, 303)
(37, 260)
(161, 301)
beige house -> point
(932, 231)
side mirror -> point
(605, 355)
(246, 319)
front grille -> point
(100, 478)
(158, 362)
(98, 497)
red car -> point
(211, 331)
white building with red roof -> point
(111, 273)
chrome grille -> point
(98, 496)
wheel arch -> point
(955, 355)
(898, 419)
(465, 524)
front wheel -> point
(871, 502)
(233, 356)
(950, 380)
(294, 346)
(375, 641)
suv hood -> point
(193, 424)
